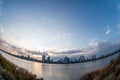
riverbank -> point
(9, 71)
(110, 72)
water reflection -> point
(59, 71)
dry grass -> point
(110, 72)
(9, 71)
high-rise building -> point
(48, 59)
(43, 58)
(66, 60)
(82, 58)
(93, 57)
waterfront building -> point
(43, 58)
(28, 56)
(82, 58)
(93, 57)
(48, 59)
(66, 60)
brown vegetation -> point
(110, 72)
(9, 71)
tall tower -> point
(43, 58)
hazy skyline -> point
(60, 24)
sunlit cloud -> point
(93, 42)
(108, 30)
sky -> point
(60, 25)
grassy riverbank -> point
(9, 71)
(110, 72)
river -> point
(59, 71)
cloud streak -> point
(108, 30)
(71, 51)
(93, 42)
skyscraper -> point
(48, 59)
(43, 58)
(66, 60)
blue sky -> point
(60, 24)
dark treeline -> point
(110, 72)
(9, 71)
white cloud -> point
(93, 42)
(108, 30)
(65, 35)
(104, 47)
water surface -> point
(59, 71)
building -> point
(48, 59)
(93, 57)
(66, 60)
(82, 58)
(43, 58)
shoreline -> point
(39, 61)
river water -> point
(59, 71)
